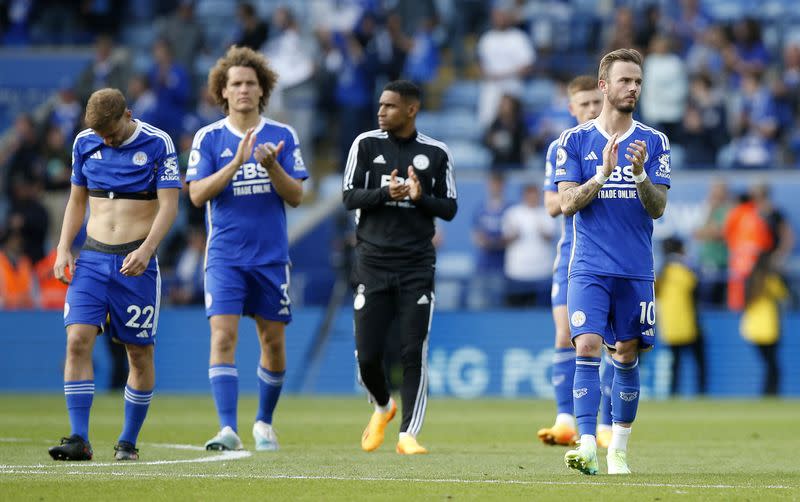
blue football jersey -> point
(613, 234)
(145, 162)
(246, 222)
(565, 241)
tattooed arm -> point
(653, 197)
(575, 197)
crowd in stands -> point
(723, 82)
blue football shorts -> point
(617, 308)
(99, 289)
(261, 290)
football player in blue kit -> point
(127, 170)
(585, 103)
(243, 168)
(610, 296)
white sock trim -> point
(384, 409)
(588, 440)
(619, 437)
(566, 419)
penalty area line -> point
(4, 469)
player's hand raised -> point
(245, 149)
(397, 190)
(637, 152)
(64, 261)
(610, 155)
(414, 188)
(266, 154)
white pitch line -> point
(225, 455)
(398, 480)
(220, 457)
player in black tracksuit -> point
(398, 180)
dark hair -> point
(405, 88)
(672, 245)
(246, 57)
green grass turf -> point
(479, 450)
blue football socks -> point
(224, 380)
(625, 391)
(79, 395)
(270, 384)
(586, 393)
(562, 378)
(136, 404)
(606, 381)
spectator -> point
(747, 236)
(183, 32)
(469, 20)
(648, 27)
(676, 295)
(109, 69)
(507, 136)
(29, 216)
(663, 99)
(66, 113)
(707, 55)
(621, 33)
(755, 125)
(422, 61)
(506, 57)
(57, 162)
(486, 290)
(761, 321)
(780, 229)
(16, 274)
(171, 86)
(190, 270)
(25, 157)
(529, 231)
(252, 30)
(292, 100)
(748, 54)
(141, 99)
(713, 250)
(354, 89)
(690, 24)
(704, 130)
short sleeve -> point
(201, 164)
(167, 175)
(568, 162)
(658, 166)
(77, 177)
(291, 158)
(549, 184)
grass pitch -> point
(479, 450)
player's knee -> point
(140, 357)
(223, 341)
(588, 345)
(273, 343)
(79, 344)
(627, 351)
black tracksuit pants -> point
(390, 302)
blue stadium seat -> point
(462, 94)
(538, 93)
(470, 155)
